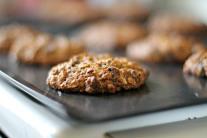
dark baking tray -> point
(166, 88)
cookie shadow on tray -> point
(198, 85)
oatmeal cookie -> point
(164, 48)
(125, 11)
(44, 49)
(72, 11)
(176, 24)
(110, 35)
(96, 74)
(9, 33)
(196, 64)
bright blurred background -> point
(73, 11)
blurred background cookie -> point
(9, 33)
(126, 11)
(163, 48)
(196, 64)
(44, 49)
(96, 74)
(108, 35)
(171, 23)
(70, 12)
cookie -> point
(196, 64)
(106, 35)
(132, 11)
(96, 74)
(44, 49)
(176, 24)
(9, 33)
(72, 12)
(163, 48)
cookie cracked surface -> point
(96, 74)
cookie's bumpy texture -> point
(196, 64)
(176, 24)
(110, 35)
(9, 33)
(96, 74)
(44, 49)
(163, 48)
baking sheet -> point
(166, 88)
